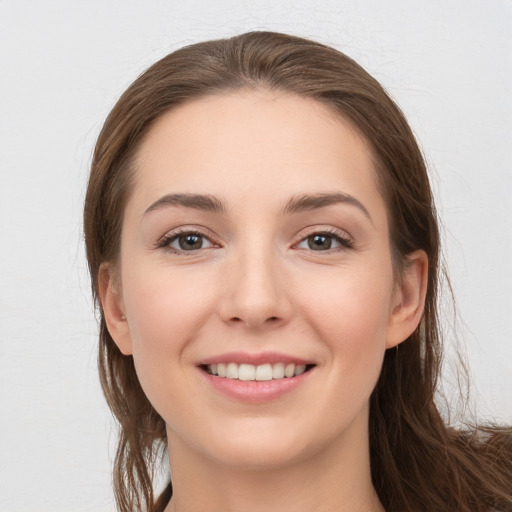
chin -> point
(261, 445)
(257, 456)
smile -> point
(261, 372)
(256, 378)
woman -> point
(263, 244)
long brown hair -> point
(418, 462)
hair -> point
(418, 461)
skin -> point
(257, 285)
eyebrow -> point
(202, 202)
(296, 204)
(308, 202)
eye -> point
(325, 241)
(186, 241)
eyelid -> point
(163, 242)
(345, 239)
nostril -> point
(270, 319)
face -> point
(255, 276)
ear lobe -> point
(408, 299)
(113, 309)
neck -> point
(337, 478)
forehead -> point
(252, 143)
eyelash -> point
(341, 237)
(337, 235)
(165, 242)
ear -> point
(408, 299)
(113, 309)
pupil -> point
(318, 242)
(190, 242)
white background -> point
(62, 66)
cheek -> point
(355, 303)
(349, 311)
(165, 311)
(164, 305)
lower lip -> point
(255, 392)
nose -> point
(254, 291)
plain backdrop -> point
(62, 66)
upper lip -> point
(254, 358)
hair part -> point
(417, 461)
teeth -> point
(300, 369)
(246, 372)
(250, 372)
(263, 372)
(289, 370)
(278, 371)
(232, 371)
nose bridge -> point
(255, 293)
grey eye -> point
(324, 241)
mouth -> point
(256, 378)
(261, 372)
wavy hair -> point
(418, 462)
